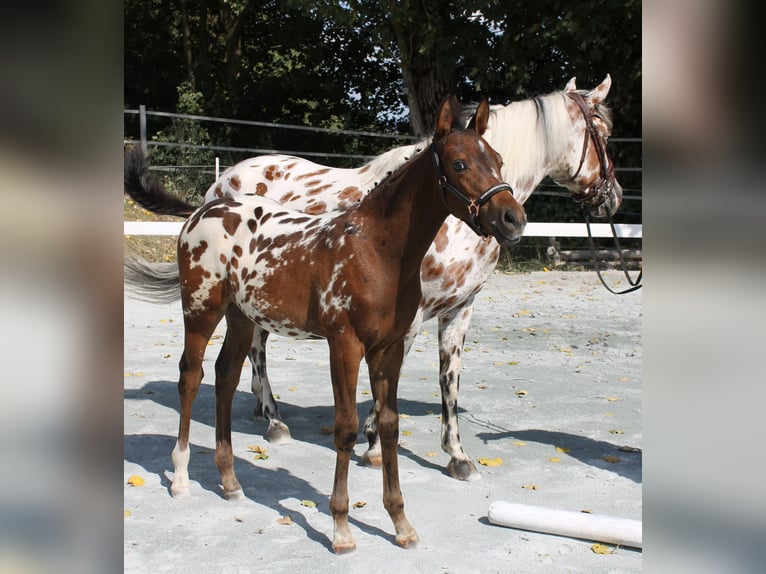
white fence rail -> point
(624, 230)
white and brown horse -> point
(350, 277)
(562, 135)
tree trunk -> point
(187, 43)
(428, 76)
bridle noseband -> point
(473, 205)
(599, 192)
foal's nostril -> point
(510, 219)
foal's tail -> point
(147, 189)
(152, 282)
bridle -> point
(473, 205)
(599, 192)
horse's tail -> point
(152, 282)
(147, 189)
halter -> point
(599, 192)
(473, 205)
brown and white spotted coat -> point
(537, 137)
(351, 277)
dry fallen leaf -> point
(328, 430)
(563, 449)
(616, 431)
(602, 549)
(521, 393)
(611, 459)
(126, 513)
(136, 480)
(554, 459)
(406, 433)
(529, 486)
(490, 461)
(360, 504)
(308, 503)
(285, 520)
(632, 449)
(430, 454)
(403, 416)
(257, 449)
(519, 443)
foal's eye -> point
(459, 165)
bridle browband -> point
(473, 205)
(599, 192)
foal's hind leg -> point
(265, 404)
(198, 330)
(452, 330)
(228, 368)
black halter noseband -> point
(473, 205)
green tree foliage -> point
(378, 66)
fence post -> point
(142, 126)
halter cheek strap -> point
(473, 205)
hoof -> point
(238, 494)
(372, 459)
(463, 470)
(278, 433)
(344, 547)
(408, 540)
(180, 492)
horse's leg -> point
(345, 356)
(265, 404)
(197, 332)
(385, 366)
(453, 327)
(228, 368)
(373, 457)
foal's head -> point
(469, 170)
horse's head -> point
(587, 171)
(469, 173)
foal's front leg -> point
(345, 356)
(373, 456)
(277, 432)
(385, 366)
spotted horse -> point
(351, 277)
(562, 135)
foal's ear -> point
(480, 119)
(598, 94)
(571, 85)
(446, 117)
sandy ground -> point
(551, 385)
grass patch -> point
(154, 248)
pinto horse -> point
(350, 277)
(562, 135)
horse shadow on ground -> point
(305, 422)
(266, 486)
(584, 449)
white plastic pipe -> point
(598, 527)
